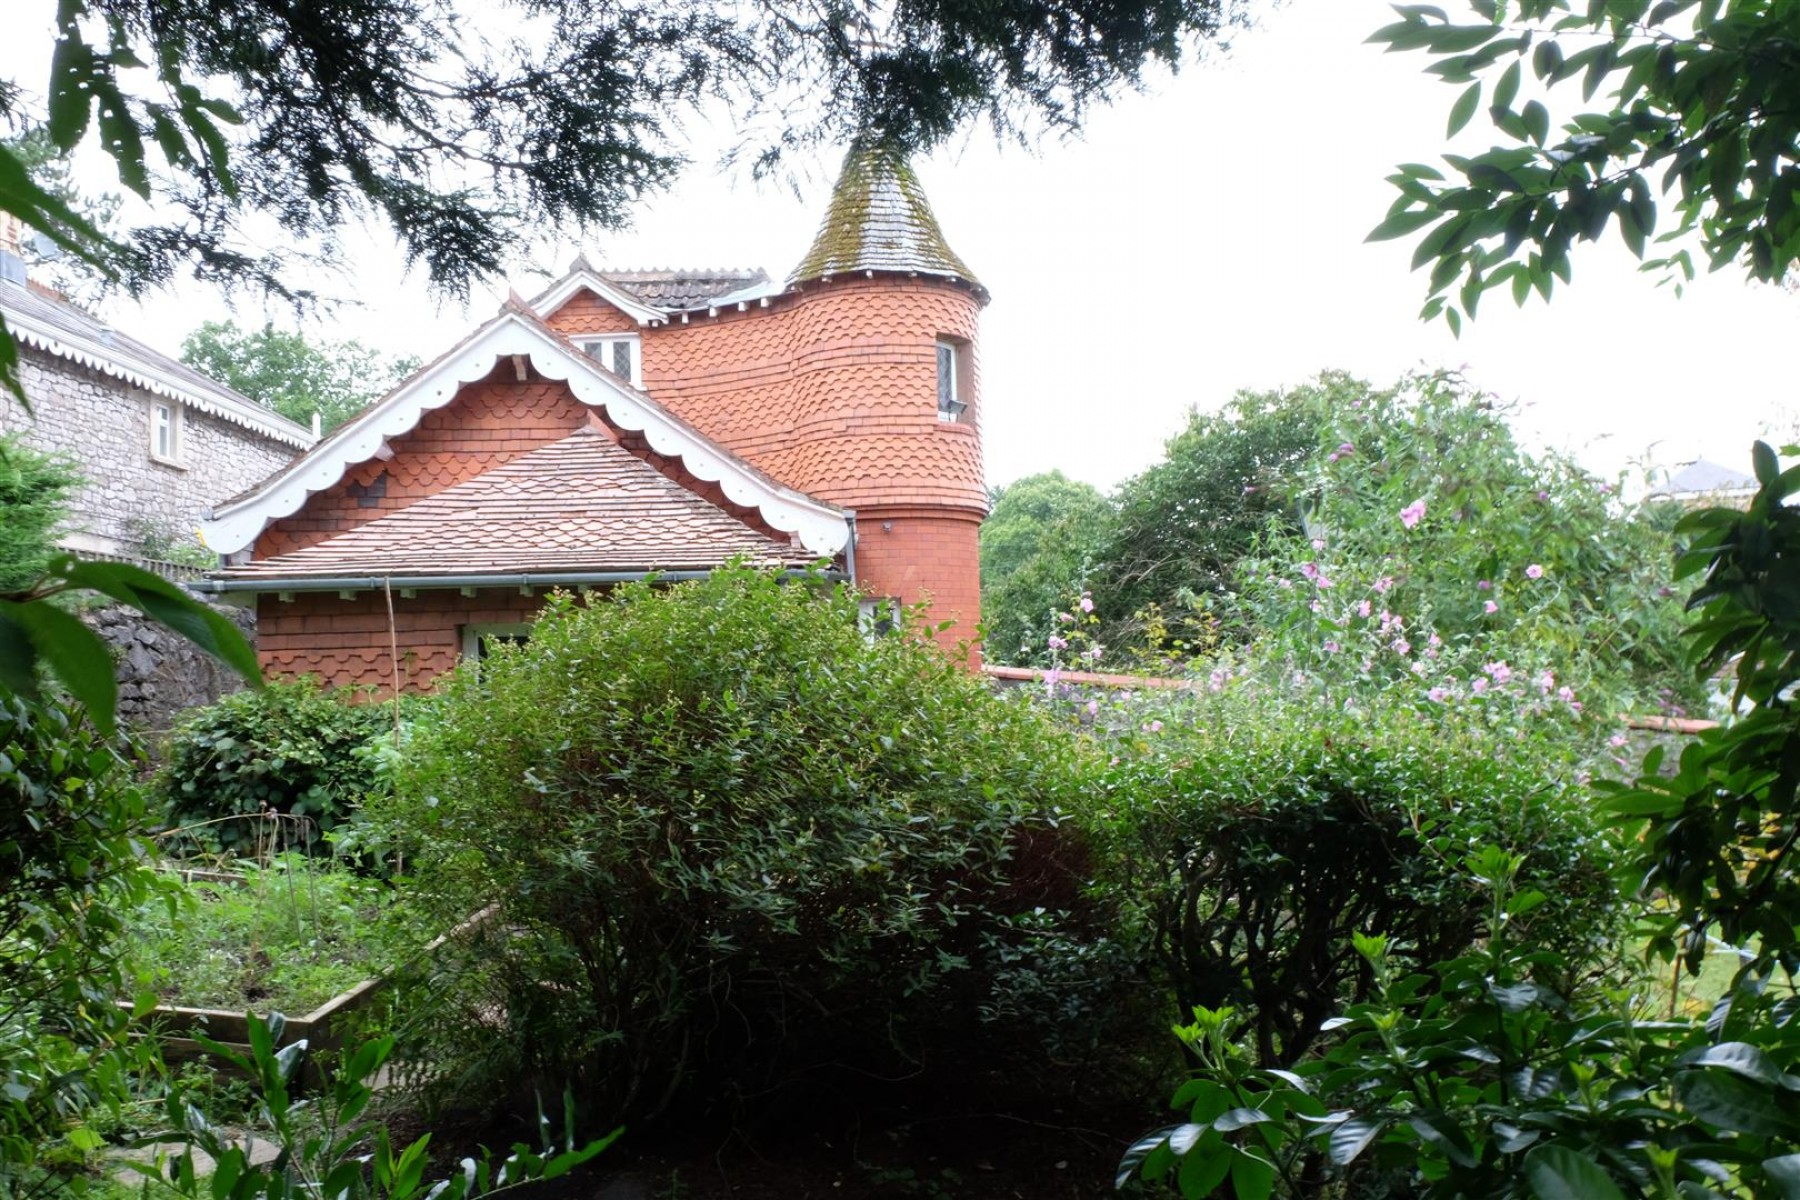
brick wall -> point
(346, 642)
(912, 553)
(104, 424)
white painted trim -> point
(89, 353)
(581, 278)
(822, 528)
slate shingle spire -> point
(879, 220)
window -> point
(878, 617)
(165, 432)
(952, 402)
(478, 641)
(618, 354)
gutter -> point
(375, 583)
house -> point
(624, 423)
(156, 442)
(1702, 483)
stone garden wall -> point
(161, 673)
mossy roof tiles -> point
(879, 220)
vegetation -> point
(1489, 1074)
(35, 489)
(70, 868)
(272, 768)
(285, 937)
(334, 379)
(1262, 827)
(1185, 522)
(1433, 554)
(1042, 535)
(707, 809)
(1700, 110)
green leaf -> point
(1739, 1058)
(158, 598)
(72, 652)
(1252, 1176)
(1507, 89)
(71, 67)
(1558, 1173)
(1784, 1173)
(1464, 108)
(1352, 1137)
(1537, 121)
(1402, 223)
(1768, 467)
(1732, 1103)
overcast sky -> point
(1201, 238)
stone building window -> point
(952, 380)
(165, 432)
(620, 354)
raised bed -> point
(323, 1029)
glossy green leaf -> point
(1556, 1172)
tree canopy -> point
(465, 133)
(291, 375)
(1703, 108)
(1036, 545)
(1184, 523)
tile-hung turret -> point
(627, 422)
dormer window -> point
(952, 402)
(618, 354)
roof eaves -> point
(144, 370)
(582, 276)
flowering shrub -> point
(1436, 556)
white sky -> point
(1204, 237)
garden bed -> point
(316, 943)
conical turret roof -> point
(879, 220)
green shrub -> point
(272, 768)
(34, 495)
(1260, 828)
(71, 859)
(733, 839)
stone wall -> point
(104, 424)
(161, 674)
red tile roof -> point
(579, 504)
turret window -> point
(951, 390)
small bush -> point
(735, 841)
(1261, 828)
(272, 768)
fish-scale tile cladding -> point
(491, 422)
(832, 389)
